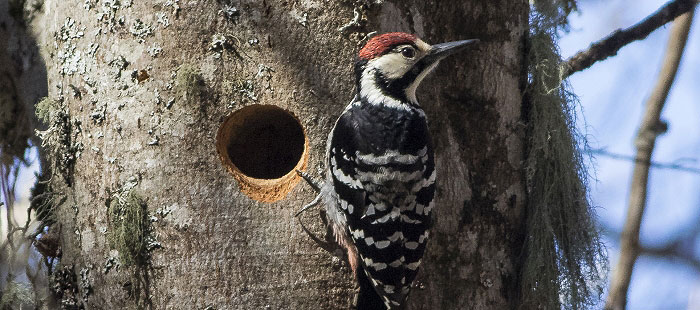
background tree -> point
(666, 242)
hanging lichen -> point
(57, 140)
(44, 200)
(16, 295)
(564, 258)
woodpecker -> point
(380, 180)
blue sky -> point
(612, 95)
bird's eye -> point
(408, 52)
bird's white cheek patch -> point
(392, 66)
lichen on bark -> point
(189, 83)
(58, 139)
(130, 227)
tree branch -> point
(677, 249)
(652, 164)
(646, 138)
(671, 252)
(610, 45)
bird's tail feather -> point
(367, 298)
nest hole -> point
(262, 146)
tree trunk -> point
(147, 85)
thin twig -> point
(651, 163)
(675, 249)
(610, 45)
(646, 138)
(672, 253)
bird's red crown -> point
(378, 45)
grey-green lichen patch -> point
(92, 50)
(175, 4)
(189, 84)
(564, 258)
(153, 141)
(107, 12)
(157, 99)
(301, 17)
(98, 113)
(162, 19)
(65, 289)
(250, 89)
(244, 90)
(85, 283)
(69, 31)
(69, 58)
(140, 30)
(230, 12)
(110, 263)
(154, 129)
(221, 42)
(154, 50)
(89, 4)
(247, 89)
(130, 228)
(58, 138)
(218, 43)
(264, 75)
(163, 212)
(118, 65)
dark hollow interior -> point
(268, 143)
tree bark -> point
(121, 71)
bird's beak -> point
(442, 50)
